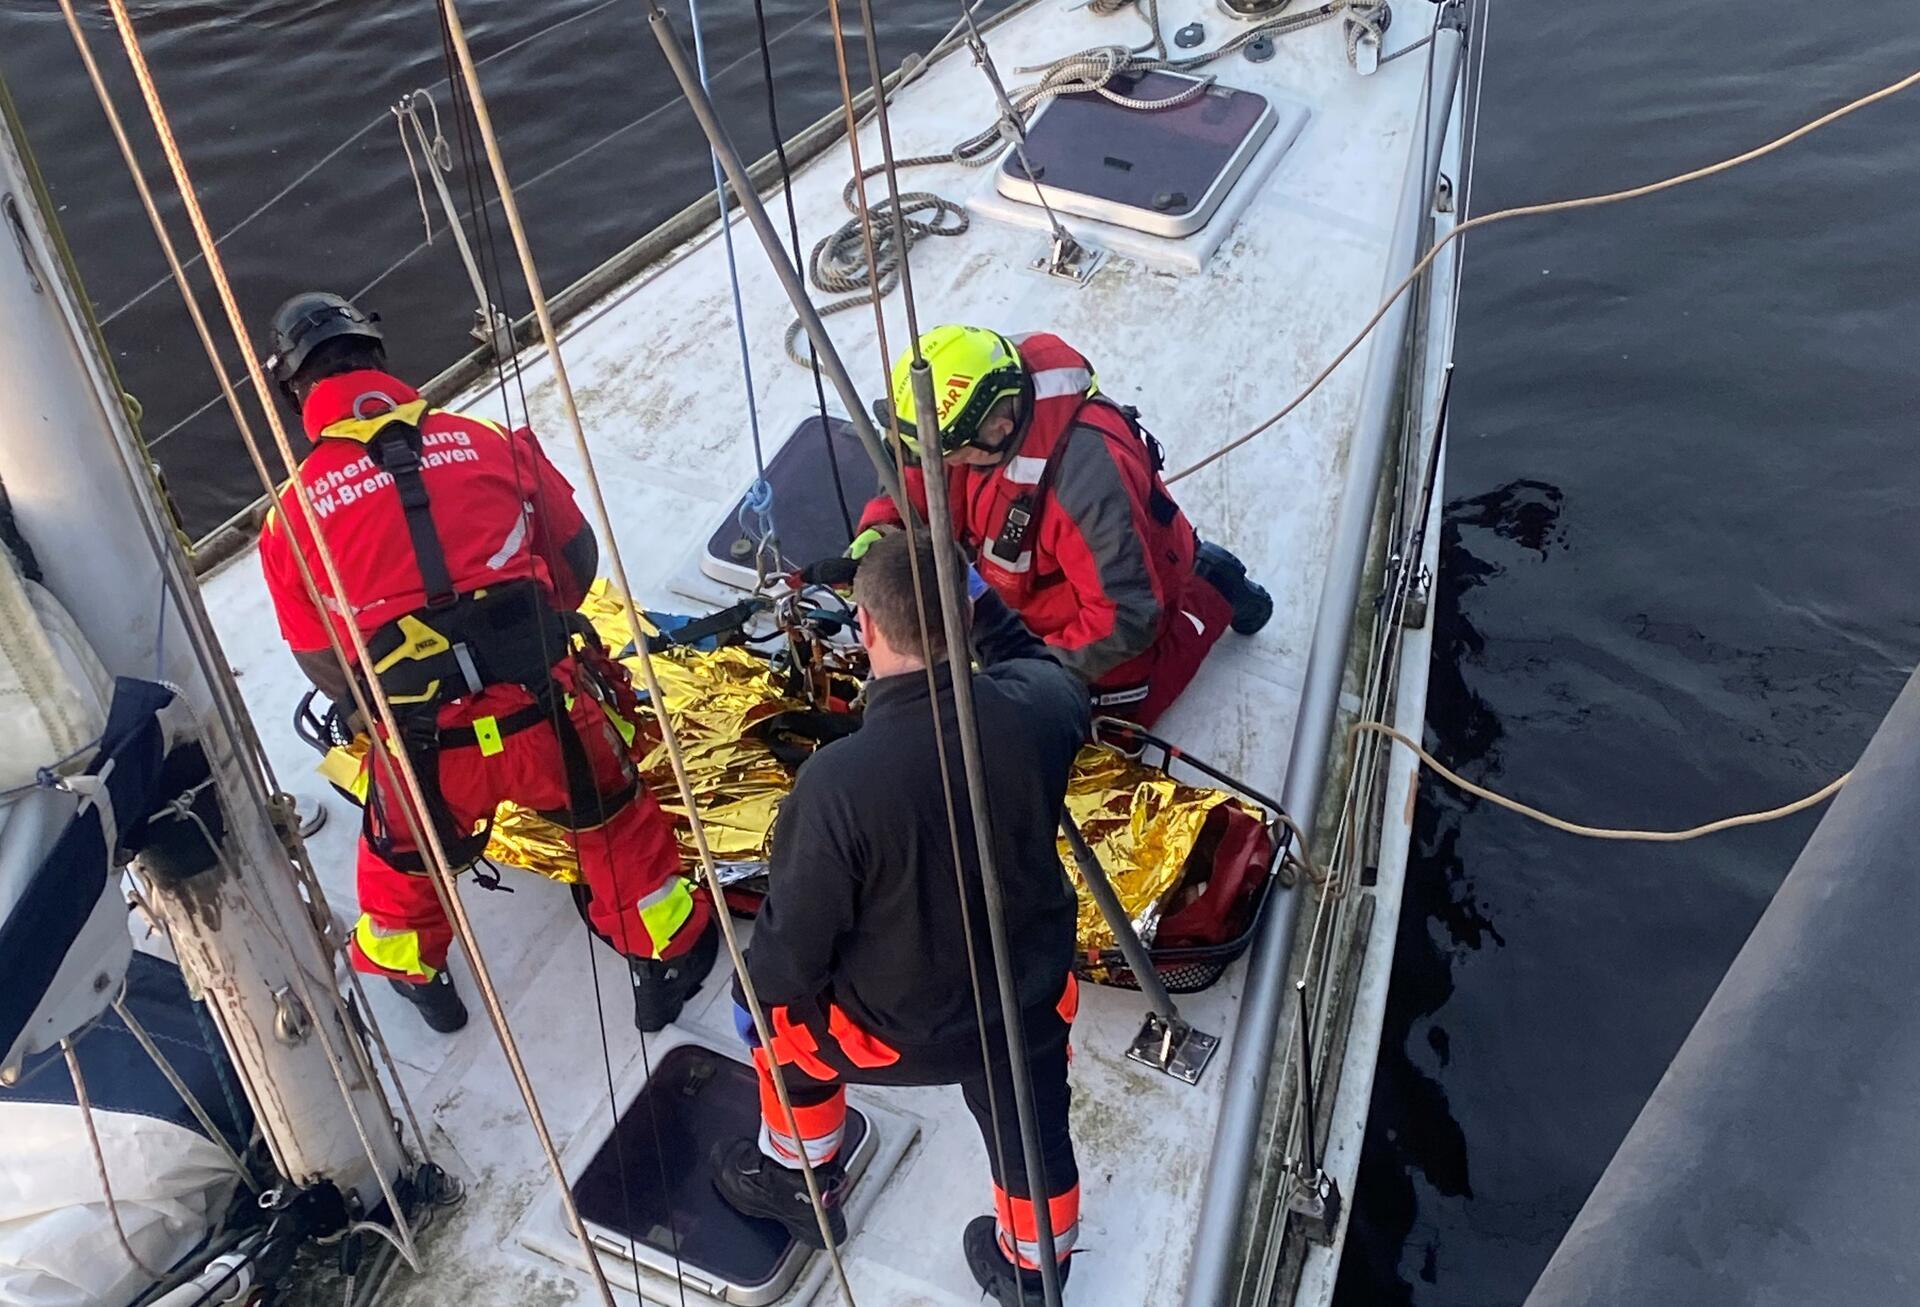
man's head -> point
(890, 611)
(316, 335)
(981, 389)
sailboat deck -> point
(655, 366)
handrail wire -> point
(939, 522)
(436, 858)
(907, 518)
(290, 829)
(1540, 210)
(669, 736)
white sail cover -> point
(53, 692)
(57, 1244)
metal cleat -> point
(1314, 1206)
(1069, 260)
(1173, 1048)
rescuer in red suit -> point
(464, 557)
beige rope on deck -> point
(1454, 778)
(1539, 210)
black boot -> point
(753, 1184)
(437, 1001)
(1004, 1282)
(1252, 605)
(661, 989)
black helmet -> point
(306, 321)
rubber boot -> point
(437, 1001)
(661, 989)
(1252, 605)
(994, 1271)
(753, 1184)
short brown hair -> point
(884, 587)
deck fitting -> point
(1314, 1206)
(1173, 1048)
(1069, 260)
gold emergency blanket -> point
(1142, 825)
(712, 698)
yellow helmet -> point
(973, 369)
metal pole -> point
(953, 603)
(499, 332)
(1145, 974)
(1236, 1140)
(790, 280)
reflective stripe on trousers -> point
(664, 911)
(396, 952)
(1019, 1235)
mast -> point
(85, 496)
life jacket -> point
(1000, 509)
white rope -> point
(100, 1159)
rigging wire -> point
(182, 1090)
(756, 508)
(1541, 210)
(289, 826)
(492, 279)
(793, 229)
(436, 857)
(908, 521)
(669, 736)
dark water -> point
(596, 135)
(1680, 553)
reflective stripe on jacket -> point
(1108, 552)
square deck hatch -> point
(650, 1180)
(1158, 171)
(806, 508)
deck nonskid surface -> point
(657, 375)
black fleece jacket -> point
(864, 909)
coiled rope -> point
(839, 264)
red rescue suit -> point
(1103, 568)
(496, 517)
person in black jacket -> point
(860, 952)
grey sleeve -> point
(1107, 567)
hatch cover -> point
(806, 508)
(650, 1181)
(1159, 171)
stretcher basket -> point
(1187, 969)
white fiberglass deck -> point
(1203, 354)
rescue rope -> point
(435, 854)
(288, 823)
(603, 519)
(1541, 210)
(1630, 834)
(85, 1104)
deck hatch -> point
(649, 1180)
(809, 520)
(1159, 171)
